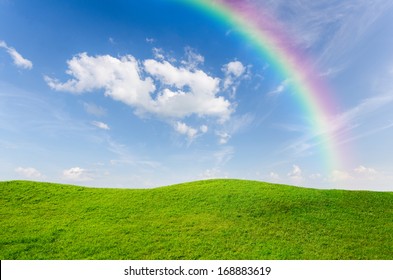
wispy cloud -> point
(340, 126)
(279, 89)
(192, 59)
(100, 125)
(296, 174)
(17, 58)
(94, 109)
(235, 125)
(223, 155)
(150, 40)
(343, 22)
(124, 156)
(121, 151)
(26, 111)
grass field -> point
(214, 219)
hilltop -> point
(213, 219)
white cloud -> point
(358, 116)
(234, 68)
(182, 128)
(359, 178)
(366, 173)
(158, 53)
(331, 72)
(189, 131)
(340, 176)
(193, 59)
(315, 176)
(362, 178)
(201, 99)
(235, 125)
(203, 128)
(296, 173)
(224, 155)
(150, 40)
(223, 137)
(185, 92)
(213, 173)
(94, 110)
(234, 71)
(344, 22)
(279, 89)
(76, 174)
(100, 125)
(18, 59)
(366, 106)
(29, 172)
(120, 78)
(365, 170)
(123, 155)
(274, 176)
(341, 124)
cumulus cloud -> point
(119, 77)
(185, 92)
(234, 68)
(100, 125)
(29, 172)
(182, 128)
(296, 173)
(18, 59)
(234, 71)
(196, 92)
(190, 132)
(76, 174)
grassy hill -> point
(214, 219)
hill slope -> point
(214, 219)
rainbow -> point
(258, 28)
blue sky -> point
(150, 93)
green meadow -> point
(213, 219)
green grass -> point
(214, 219)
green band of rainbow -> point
(261, 30)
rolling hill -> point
(213, 219)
